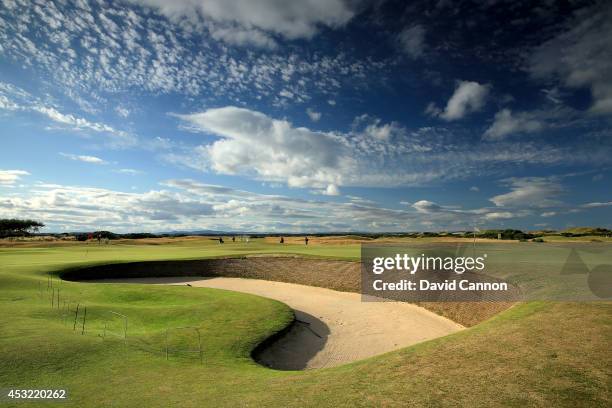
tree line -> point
(13, 227)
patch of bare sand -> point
(332, 328)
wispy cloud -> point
(313, 115)
(16, 99)
(84, 158)
(103, 50)
(10, 177)
(412, 40)
(580, 56)
(130, 172)
(530, 192)
(597, 204)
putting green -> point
(537, 353)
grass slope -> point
(541, 354)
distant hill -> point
(586, 231)
(196, 232)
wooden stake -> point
(84, 317)
(76, 315)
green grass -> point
(539, 354)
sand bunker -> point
(332, 327)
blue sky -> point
(318, 115)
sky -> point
(310, 116)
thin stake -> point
(200, 346)
(52, 297)
(76, 315)
(58, 298)
(84, 317)
(166, 344)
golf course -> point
(132, 343)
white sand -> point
(333, 327)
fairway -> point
(533, 353)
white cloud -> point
(412, 40)
(130, 172)
(381, 132)
(131, 49)
(84, 158)
(10, 177)
(499, 215)
(424, 206)
(78, 208)
(597, 204)
(123, 112)
(530, 192)
(189, 205)
(75, 122)
(580, 56)
(7, 104)
(184, 204)
(273, 149)
(242, 37)
(15, 99)
(313, 115)
(432, 109)
(291, 20)
(469, 96)
(474, 188)
(286, 94)
(331, 190)
(372, 153)
(548, 214)
(505, 123)
(431, 213)
(376, 129)
(553, 95)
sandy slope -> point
(333, 327)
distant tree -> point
(139, 235)
(104, 235)
(13, 227)
(510, 234)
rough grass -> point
(535, 354)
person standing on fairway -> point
(306, 240)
